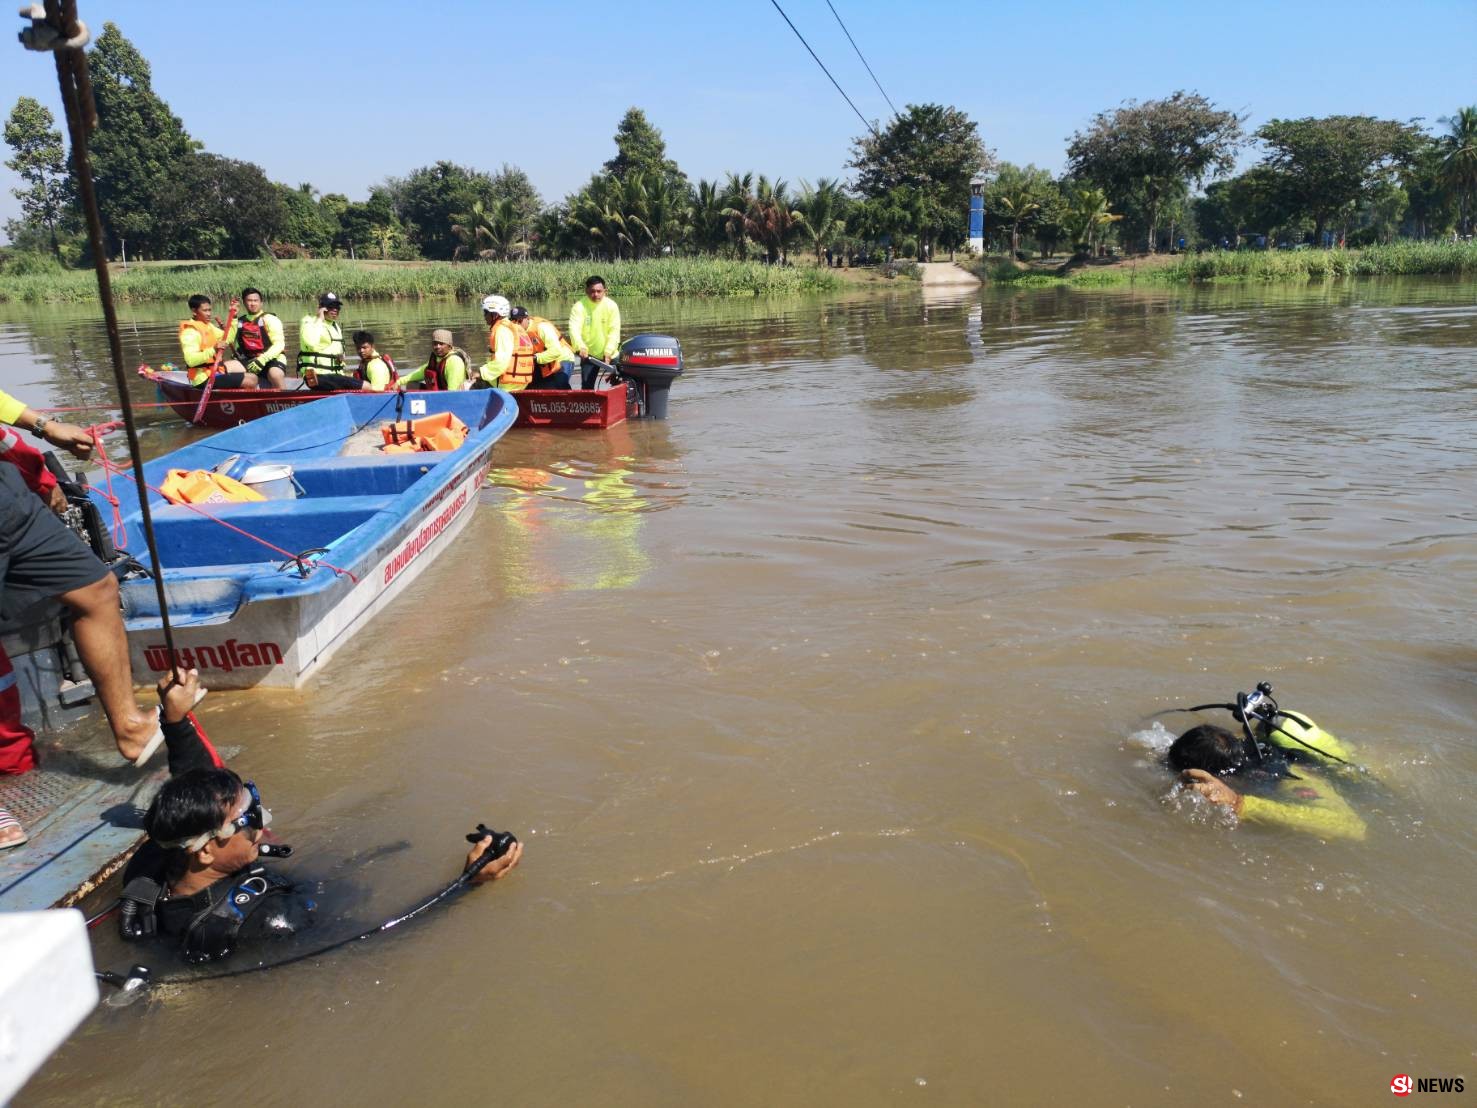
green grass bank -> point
(301, 280)
(1401, 259)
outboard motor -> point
(653, 362)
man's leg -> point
(41, 559)
(97, 627)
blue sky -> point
(343, 93)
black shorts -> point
(224, 381)
(40, 558)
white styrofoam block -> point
(47, 988)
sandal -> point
(8, 822)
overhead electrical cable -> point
(858, 50)
(822, 64)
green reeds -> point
(1398, 259)
(304, 280)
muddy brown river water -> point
(822, 711)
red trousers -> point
(17, 752)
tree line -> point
(1132, 177)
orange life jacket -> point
(531, 327)
(201, 486)
(520, 370)
(442, 431)
(209, 336)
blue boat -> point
(363, 524)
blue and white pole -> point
(977, 214)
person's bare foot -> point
(134, 735)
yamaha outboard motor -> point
(653, 362)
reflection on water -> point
(822, 707)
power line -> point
(858, 50)
(822, 64)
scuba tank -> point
(1270, 732)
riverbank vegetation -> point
(1145, 177)
(1397, 259)
(305, 280)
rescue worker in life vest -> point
(511, 364)
(201, 338)
(260, 341)
(320, 354)
(199, 881)
(445, 370)
(1291, 785)
(376, 371)
(553, 360)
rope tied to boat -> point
(120, 531)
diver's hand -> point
(1212, 788)
(493, 870)
(178, 697)
(57, 500)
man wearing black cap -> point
(320, 356)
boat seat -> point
(393, 473)
(186, 538)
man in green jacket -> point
(444, 371)
(320, 354)
(594, 328)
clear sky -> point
(343, 93)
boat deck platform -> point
(83, 809)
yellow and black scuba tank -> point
(1287, 736)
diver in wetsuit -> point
(1284, 769)
(199, 880)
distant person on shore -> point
(260, 340)
(199, 881)
(41, 559)
(320, 353)
(553, 360)
(1289, 785)
(376, 371)
(201, 339)
(445, 370)
(510, 366)
(594, 328)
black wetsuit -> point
(251, 905)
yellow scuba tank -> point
(1310, 743)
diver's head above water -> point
(210, 822)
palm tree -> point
(1459, 166)
(1087, 214)
(825, 210)
(708, 226)
(488, 231)
(738, 193)
(771, 217)
(1016, 203)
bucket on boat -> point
(275, 482)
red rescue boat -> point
(226, 407)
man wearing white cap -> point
(511, 364)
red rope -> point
(288, 554)
(120, 532)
